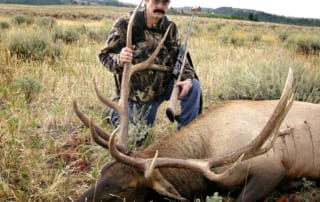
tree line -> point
(61, 2)
(222, 12)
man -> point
(150, 88)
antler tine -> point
(128, 70)
(249, 151)
(104, 135)
(269, 144)
(129, 30)
(97, 138)
(272, 124)
(98, 134)
(104, 143)
(103, 99)
(120, 107)
(149, 170)
(125, 86)
(120, 156)
(278, 112)
(147, 63)
(203, 165)
(275, 131)
(147, 165)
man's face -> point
(156, 9)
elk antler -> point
(128, 70)
(100, 136)
(254, 148)
(103, 136)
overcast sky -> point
(294, 8)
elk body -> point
(246, 148)
(296, 153)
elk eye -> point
(129, 189)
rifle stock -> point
(171, 108)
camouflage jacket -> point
(146, 85)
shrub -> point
(214, 27)
(254, 83)
(224, 37)
(140, 130)
(283, 35)
(57, 34)
(4, 25)
(107, 23)
(308, 85)
(32, 45)
(214, 198)
(68, 35)
(97, 35)
(254, 37)
(234, 39)
(29, 87)
(47, 22)
(22, 19)
(265, 82)
(304, 44)
(6, 75)
(237, 39)
(230, 35)
(82, 29)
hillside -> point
(266, 17)
(57, 2)
(252, 15)
(222, 12)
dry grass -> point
(47, 155)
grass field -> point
(47, 154)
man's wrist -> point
(118, 61)
(190, 80)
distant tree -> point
(253, 17)
(173, 11)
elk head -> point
(135, 175)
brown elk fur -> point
(296, 153)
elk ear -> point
(158, 183)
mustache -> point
(159, 11)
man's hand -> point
(184, 86)
(125, 55)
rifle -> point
(178, 70)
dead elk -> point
(214, 138)
(244, 147)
